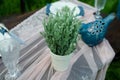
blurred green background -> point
(10, 7)
(14, 7)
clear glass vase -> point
(9, 49)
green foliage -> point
(111, 6)
(90, 2)
(36, 4)
(113, 72)
(8, 7)
(61, 31)
(1, 1)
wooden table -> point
(35, 62)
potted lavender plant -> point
(60, 33)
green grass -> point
(113, 72)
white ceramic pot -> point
(60, 63)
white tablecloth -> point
(35, 62)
